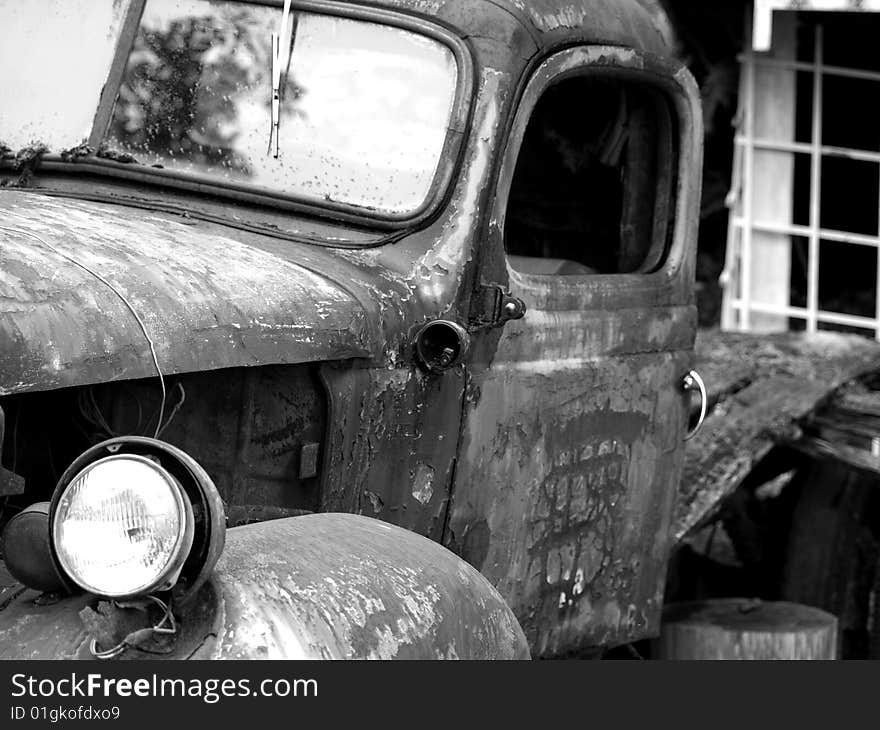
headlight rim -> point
(182, 546)
(208, 507)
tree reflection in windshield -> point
(179, 94)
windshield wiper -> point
(280, 69)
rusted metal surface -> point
(627, 22)
(43, 626)
(246, 426)
(573, 420)
(393, 436)
(315, 587)
(759, 387)
(29, 630)
(354, 588)
(566, 501)
(597, 21)
(207, 301)
(392, 445)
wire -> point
(91, 413)
(102, 422)
(167, 626)
(176, 408)
(124, 300)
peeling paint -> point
(423, 483)
(355, 588)
(573, 424)
(206, 301)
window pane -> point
(850, 38)
(592, 190)
(850, 191)
(848, 278)
(364, 116)
(800, 270)
(840, 126)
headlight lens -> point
(123, 526)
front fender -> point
(324, 586)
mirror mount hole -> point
(441, 345)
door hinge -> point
(493, 306)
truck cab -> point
(395, 299)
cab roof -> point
(638, 24)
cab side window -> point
(593, 185)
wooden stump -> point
(739, 628)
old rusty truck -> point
(342, 329)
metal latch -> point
(493, 306)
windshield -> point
(363, 119)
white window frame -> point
(739, 304)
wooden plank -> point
(846, 428)
(851, 425)
(736, 436)
(856, 458)
(760, 387)
(865, 403)
(721, 371)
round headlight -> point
(122, 527)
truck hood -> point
(74, 273)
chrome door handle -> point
(693, 381)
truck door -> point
(573, 429)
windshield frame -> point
(447, 166)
